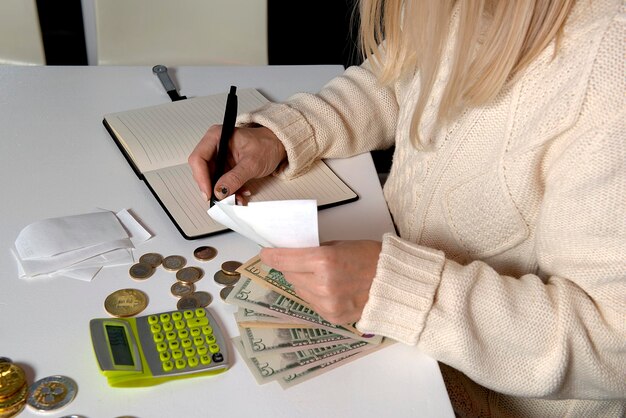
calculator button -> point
(181, 363)
(165, 317)
(214, 348)
(207, 330)
(154, 328)
(188, 314)
(183, 333)
(165, 356)
(206, 359)
(218, 357)
(198, 341)
(202, 350)
(176, 354)
(177, 316)
(185, 342)
(170, 335)
(197, 322)
(158, 337)
(168, 326)
(167, 366)
(190, 352)
(153, 319)
(174, 345)
(200, 313)
(210, 339)
(193, 361)
(179, 324)
(161, 347)
(195, 332)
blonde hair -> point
(400, 37)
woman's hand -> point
(253, 153)
(334, 278)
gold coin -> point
(12, 378)
(204, 298)
(126, 302)
(205, 253)
(174, 262)
(188, 302)
(180, 289)
(153, 259)
(226, 279)
(189, 274)
(11, 406)
(230, 267)
(141, 271)
(225, 292)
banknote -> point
(250, 318)
(274, 366)
(260, 341)
(248, 294)
(274, 280)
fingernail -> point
(204, 196)
(246, 193)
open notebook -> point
(157, 140)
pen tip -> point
(233, 90)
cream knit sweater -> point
(510, 259)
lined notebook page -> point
(164, 135)
(179, 193)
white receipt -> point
(279, 223)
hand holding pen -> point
(226, 158)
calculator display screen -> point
(120, 349)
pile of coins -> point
(13, 389)
(227, 277)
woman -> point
(507, 189)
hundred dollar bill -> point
(248, 294)
(293, 379)
(274, 280)
(260, 341)
(274, 366)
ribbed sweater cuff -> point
(402, 293)
(293, 131)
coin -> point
(225, 292)
(226, 279)
(180, 289)
(188, 302)
(153, 259)
(13, 405)
(126, 302)
(12, 378)
(204, 298)
(230, 267)
(141, 271)
(205, 253)
(189, 274)
(51, 393)
(174, 262)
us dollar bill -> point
(260, 341)
(248, 294)
(274, 280)
(250, 318)
(274, 366)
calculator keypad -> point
(183, 341)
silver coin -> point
(204, 298)
(188, 302)
(180, 289)
(189, 274)
(225, 292)
(153, 259)
(141, 271)
(52, 392)
(226, 279)
(230, 267)
(174, 262)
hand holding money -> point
(334, 278)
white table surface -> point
(56, 159)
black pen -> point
(228, 127)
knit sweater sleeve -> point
(352, 114)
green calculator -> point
(152, 349)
